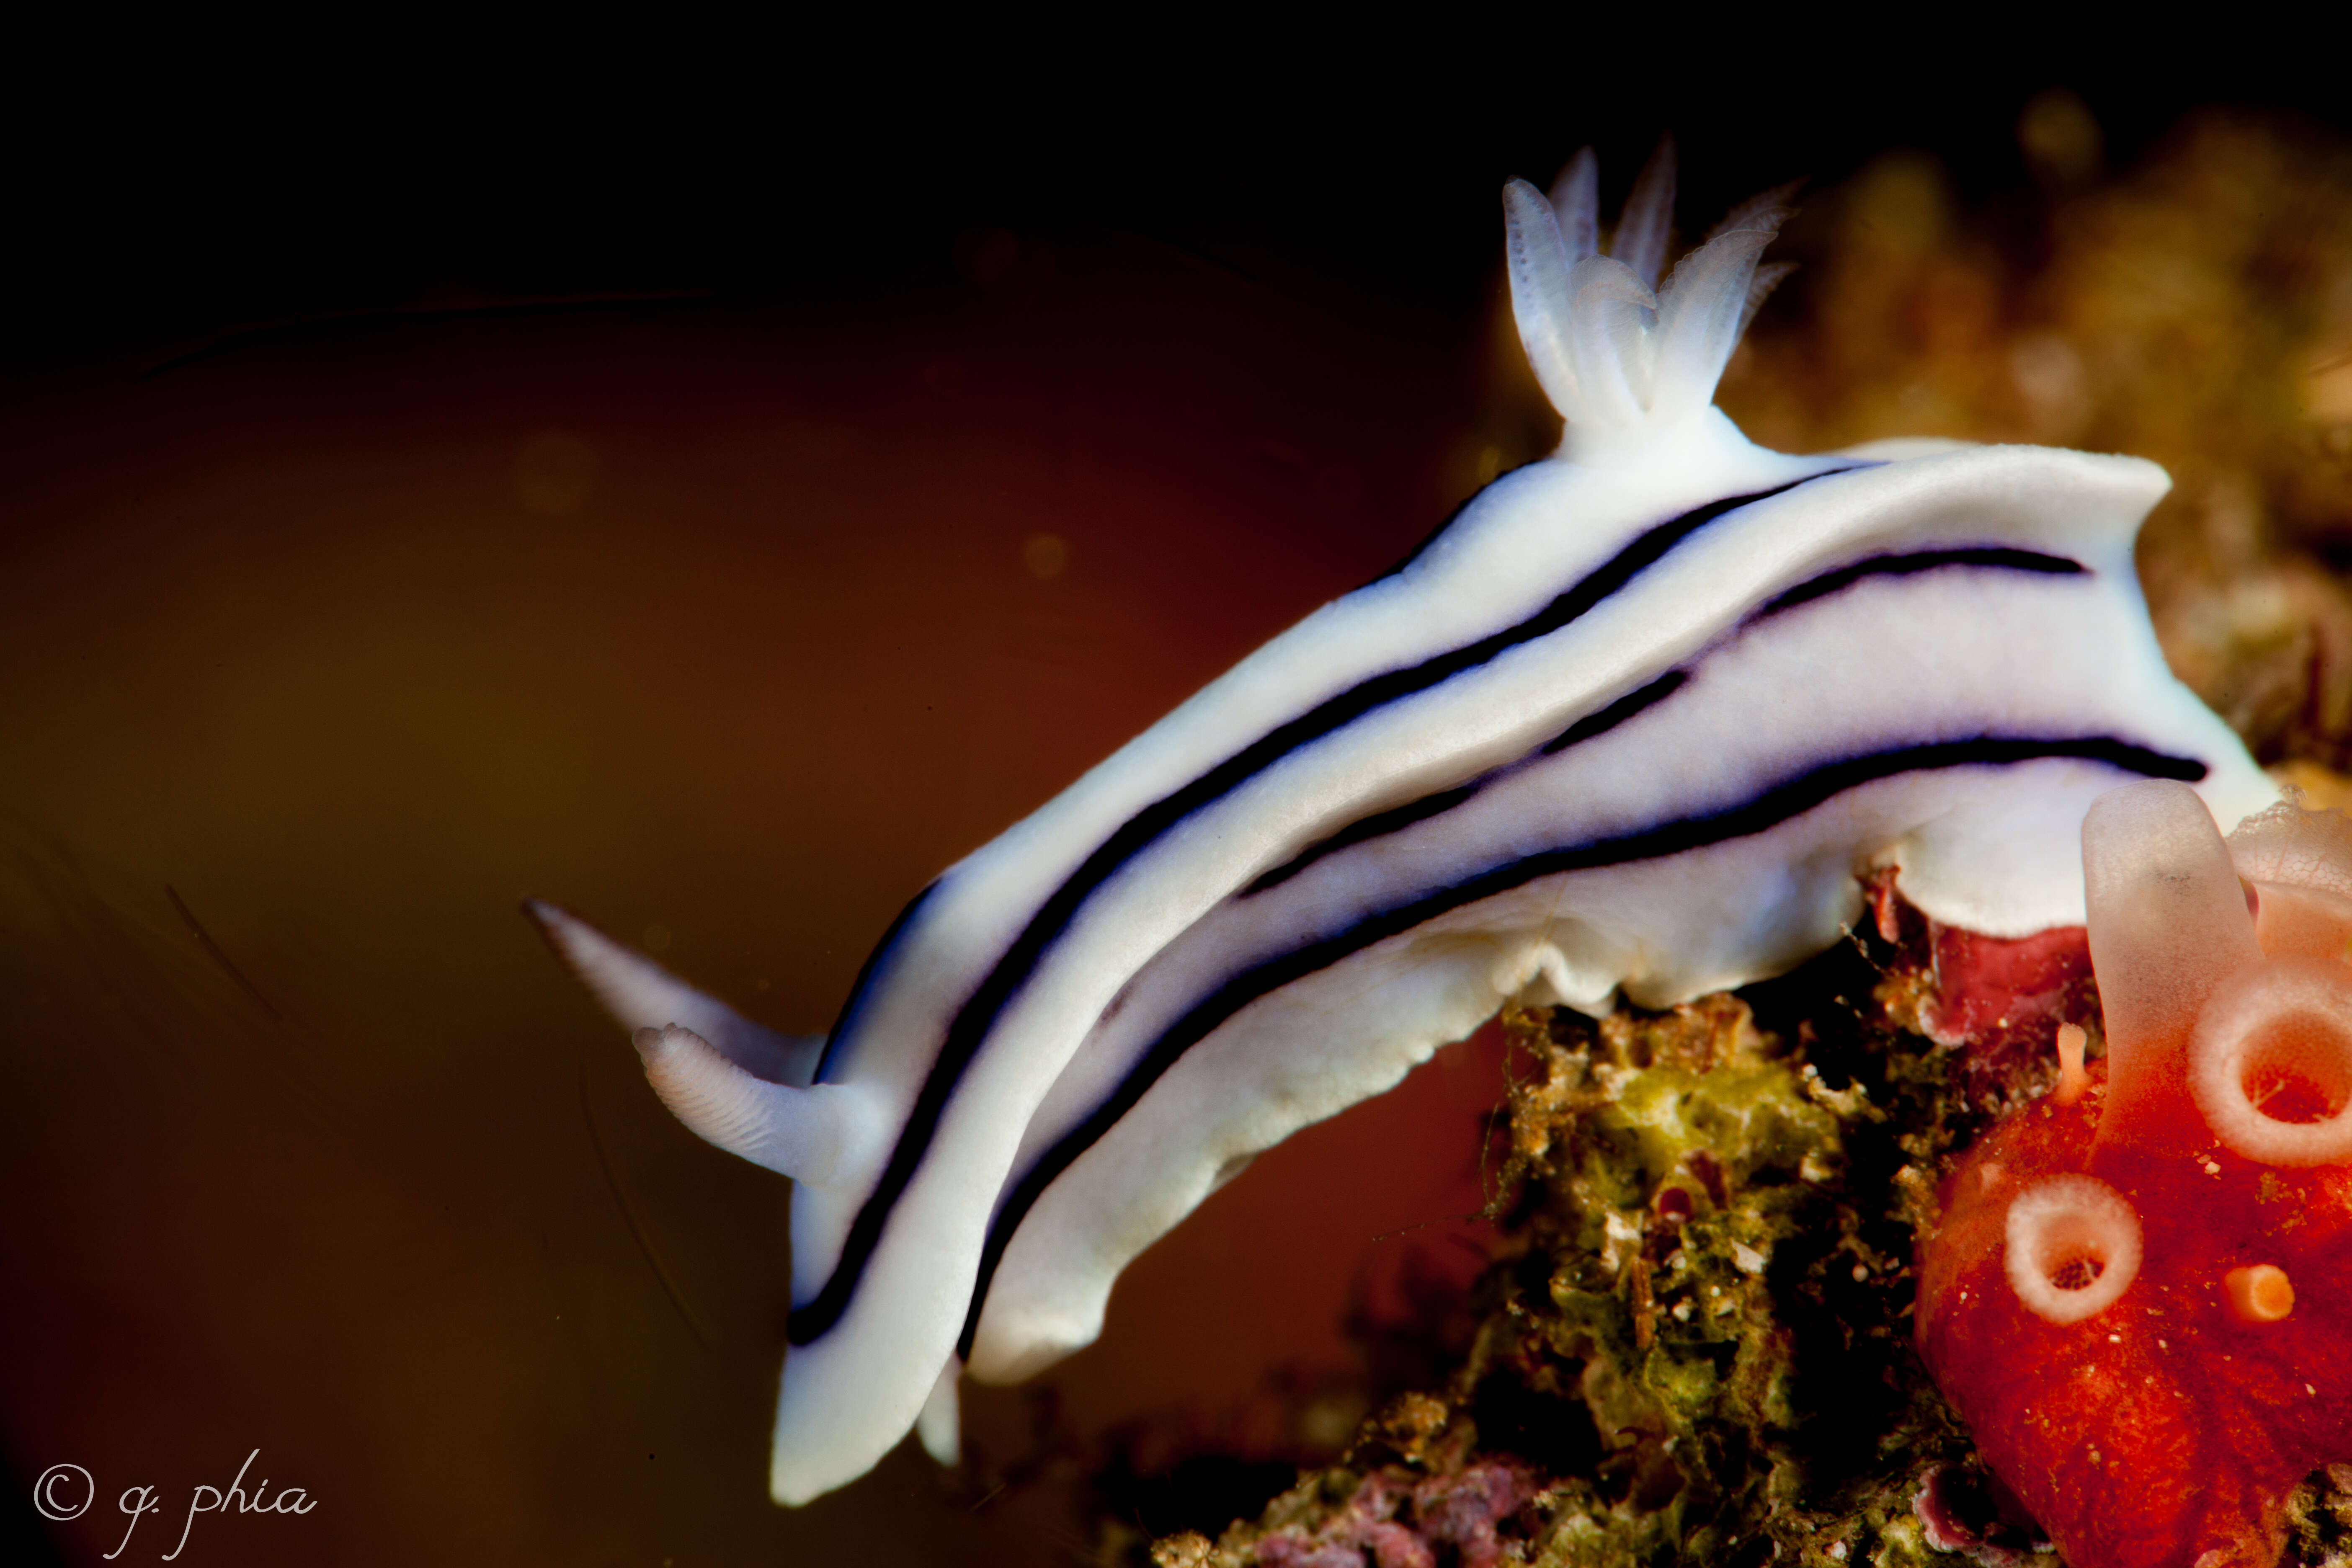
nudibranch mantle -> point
(1633, 724)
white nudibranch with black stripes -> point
(1633, 724)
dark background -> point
(435, 471)
(166, 202)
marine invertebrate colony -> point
(2136, 1291)
(1633, 721)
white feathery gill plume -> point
(1615, 352)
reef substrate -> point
(1698, 1346)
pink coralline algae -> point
(2137, 1290)
(1395, 1521)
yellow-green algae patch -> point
(1701, 1351)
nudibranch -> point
(1631, 722)
(2139, 1290)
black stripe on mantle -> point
(973, 1021)
(1781, 802)
(1994, 557)
(1605, 718)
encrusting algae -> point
(1702, 1355)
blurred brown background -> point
(717, 520)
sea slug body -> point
(1633, 724)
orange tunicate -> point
(2164, 1423)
